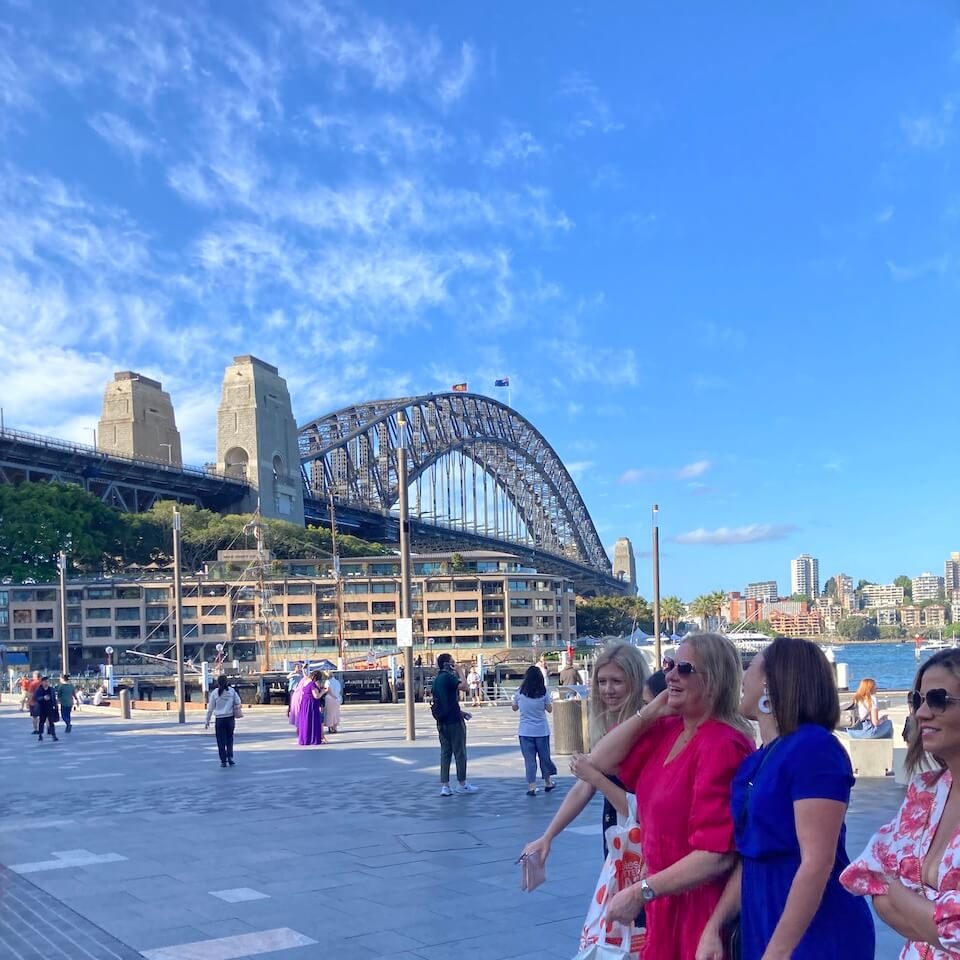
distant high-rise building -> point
(805, 576)
(624, 563)
(882, 595)
(762, 590)
(927, 587)
(846, 594)
(951, 573)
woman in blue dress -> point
(789, 801)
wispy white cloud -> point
(120, 134)
(725, 536)
(455, 81)
(695, 469)
(591, 111)
(612, 366)
(689, 471)
(933, 130)
(512, 145)
(386, 137)
(579, 468)
(936, 266)
(884, 216)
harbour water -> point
(892, 665)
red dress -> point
(683, 806)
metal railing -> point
(68, 446)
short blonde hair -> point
(722, 672)
(634, 666)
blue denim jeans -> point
(66, 711)
(531, 748)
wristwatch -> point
(647, 892)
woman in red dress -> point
(681, 753)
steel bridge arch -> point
(350, 455)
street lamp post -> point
(93, 430)
(409, 684)
(178, 619)
(658, 646)
(64, 645)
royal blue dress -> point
(807, 764)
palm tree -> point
(718, 600)
(702, 607)
(671, 609)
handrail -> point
(69, 446)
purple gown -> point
(309, 715)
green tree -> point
(830, 588)
(612, 616)
(702, 608)
(892, 631)
(37, 520)
(857, 628)
(907, 584)
(718, 600)
(456, 563)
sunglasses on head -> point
(936, 700)
(683, 667)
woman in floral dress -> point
(911, 867)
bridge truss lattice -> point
(475, 466)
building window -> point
(47, 596)
(355, 606)
(45, 616)
(384, 606)
(299, 628)
(384, 570)
(465, 606)
(214, 610)
(157, 594)
(493, 623)
(188, 613)
(23, 596)
(356, 625)
(214, 630)
(519, 585)
(465, 586)
(99, 593)
(386, 586)
(492, 589)
(4, 598)
(438, 606)
(520, 621)
(23, 616)
(4, 618)
(520, 603)
(24, 633)
(243, 629)
(74, 635)
(157, 614)
(127, 613)
(213, 590)
(128, 632)
(128, 593)
(299, 609)
(438, 586)
(299, 589)
(74, 614)
(73, 596)
(521, 639)
(326, 629)
(44, 633)
(467, 623)
(160, 632)
(438, 623)
(99, 613)
(356, 588)
(99, 631)
(384, 626)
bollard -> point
(843, 676)
(568, 726)
(125, 703)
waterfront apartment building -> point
(928, 586)
(762, 590)
(881, 595)
(808, 624)
(846, 594)
(887, 616)
(934, 615)
(805, 576)
(911, 616)
(487, 600)
(951, 573)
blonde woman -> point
(616, 693)
(872, 725)
(679, 755)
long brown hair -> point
(801, 685)
(917, 757)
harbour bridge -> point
(480, 476)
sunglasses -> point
(683, 667)
(936, 700)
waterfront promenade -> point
(127, 838)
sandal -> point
(547, 787)
(532, 793)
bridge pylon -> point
(257, 438)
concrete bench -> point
(870, 758)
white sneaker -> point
(466, 788)
(445, 791)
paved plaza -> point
(128, 839)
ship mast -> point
(338, 585)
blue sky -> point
(715, 248)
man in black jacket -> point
(46, 699)
(451, 724)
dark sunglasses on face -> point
(936, 700)
(683, 667)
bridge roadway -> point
(134, 485)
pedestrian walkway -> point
(139, 842)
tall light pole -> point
(658, 645)
(64, 645)
(178, 618)
(409, 685)
(93, 430)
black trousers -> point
(225, 727)
(46, 717)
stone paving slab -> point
(352, 847)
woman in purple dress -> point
(310, 711)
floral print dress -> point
(898, 849)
